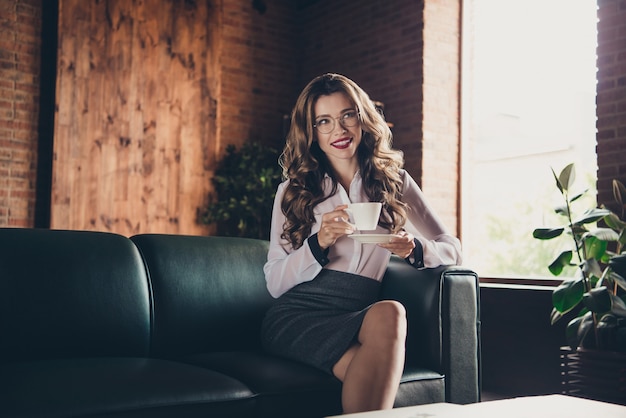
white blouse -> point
(286, 267)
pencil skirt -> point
(316, 322)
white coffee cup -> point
(365, 215)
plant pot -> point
(594, 374)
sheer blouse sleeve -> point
(286, 267)
(439, 247)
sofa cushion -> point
(119, 387)
(71, 294)
(209, 292)
(282, 386)
(420, 386)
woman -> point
(327, 313)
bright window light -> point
(529, 87)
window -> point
(529, 82)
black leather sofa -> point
(99, 325)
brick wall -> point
(611, 97)
(258, 71)
(441, 126)
(20, 23)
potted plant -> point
(245, 183)
(596, 294)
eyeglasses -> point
(326, 125)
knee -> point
(387, 320)
(394, 316)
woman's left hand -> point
(401, 245)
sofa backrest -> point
(420, 289)
(209, 293)
(71, 294)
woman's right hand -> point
(334, 226)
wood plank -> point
(135, 132)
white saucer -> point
(372, 238)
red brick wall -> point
(20, 23)
(611, 97)
(441, 95)
(258, 71)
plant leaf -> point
(558, 182)
(622, 237)
(578, 328)
(547, 233)
(607, 321)
(604, 234)
(621, 282)
(618, 307)
(598, 300)
(563, 260)
(592, 215)
(567, 177)
(571, 332)
(562, 210)
(618, 264)
(555, 316)
(614, 222)
(578, 196)
(568, 295)
(619, 192)
(594, 247)
(591, 268)
(577, 230)
(584, 327)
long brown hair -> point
(305, 165)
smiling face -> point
(341, 143)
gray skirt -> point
(316, 322)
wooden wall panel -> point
(135, 128)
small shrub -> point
(245, 183)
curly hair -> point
(305, 165)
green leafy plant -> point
(245, 183)
(597, 289)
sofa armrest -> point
(443, 323)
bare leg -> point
(371, 370)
